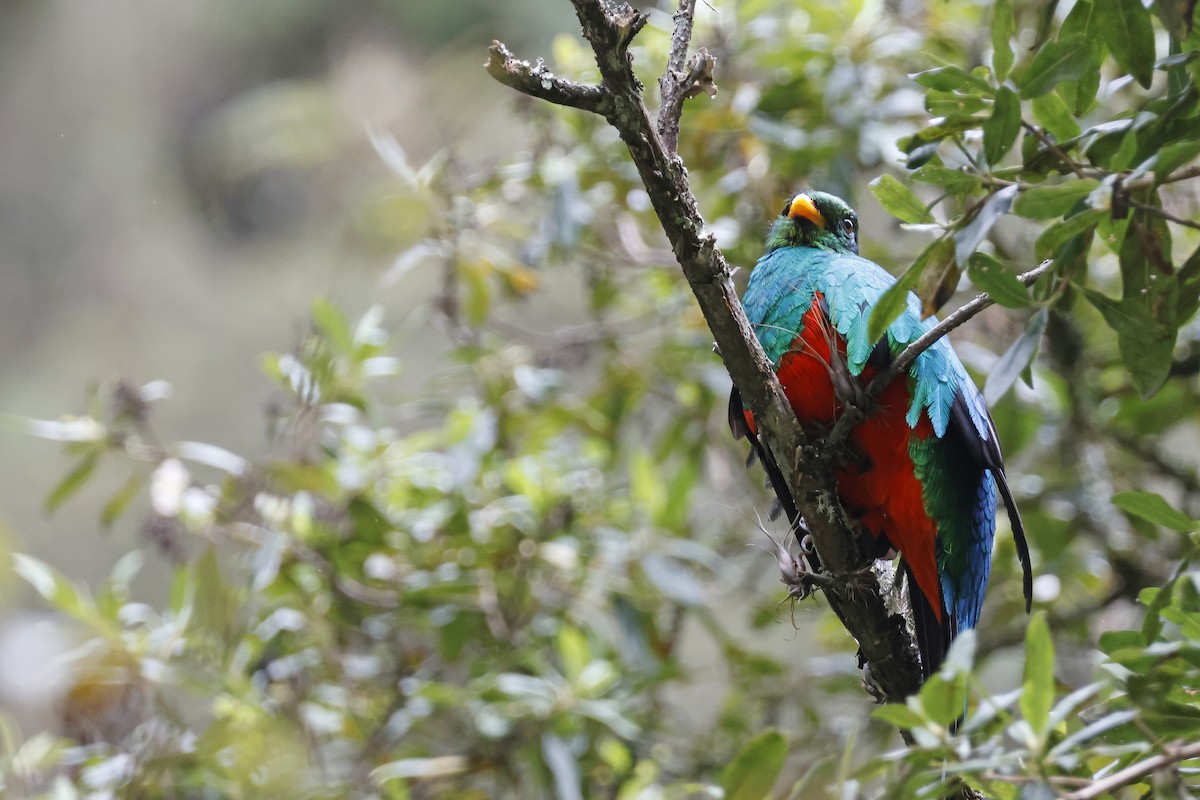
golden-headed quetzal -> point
(925, 461)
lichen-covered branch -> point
(683, 78)
(536, 80)
(882, 636)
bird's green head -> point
(816, 219)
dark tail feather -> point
(1014, 519)
(933, 637)
(740, 429)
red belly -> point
(882, 491)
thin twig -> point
(536, 80)
(682, 78)
(961, 315)
(900, 364)
(1168, 216)
(1134, 772)
(668, 85)
(1054, 148)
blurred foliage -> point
(484, 587)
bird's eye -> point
(848, 226)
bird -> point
(924, 464)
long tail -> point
(933, 636)
(741, 429)
(1014, 519)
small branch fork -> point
(855, 413)
(684, 78)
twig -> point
(668, 85)
(960, 315)
(902, 362)
(1168, 216)
(883, 639)
(682, 78)
(536, 80)
(1171, 755)
(1054, 148)
(1021, 780)
(1184, 174)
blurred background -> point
(180, 181)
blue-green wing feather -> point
(958, 467)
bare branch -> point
(1169, 217)
(960, 315)
(1172, 754)
(684, 78)
(536, 80)
(680, 40)
(1053, 147)
(901, 363)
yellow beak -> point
(802, 206)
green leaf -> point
(1154, 508)
(1112, 641)
(1125, 26)
(1067, 59)
(72, 482)
(899, 201)
(895, 299)
(1037, 688)
(755, 768)
(954, 181)
(1176, 16)
(938, 282)
(1001, 129)
(1053, 114)
(646, 484)
(1045, 23)
(1045, 202)
(574, 652)
(121, 499)
(1123, 158)
(1010, 365)
(952, 79)
(332, 323)
(944, 103)
(899, 715)
(1057, 234)
(52, 585)
(1004, 27)
(944, 697)
(1147, 345)
(1174, 156)
(967, 240)
(999, 282)
(213, 604)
